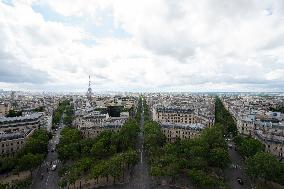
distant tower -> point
(89, 92)
(12, 96)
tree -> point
(249, 147)
(13, 113)
(29, 161)
(7, 164)
(214, 137)
(200, 178)
(263, 166)
(127, 136)
(97, 170)
(223, 117)
(98, 149)
(116, 166)
(219, 157)
(197, 163)
(37, 143)
(131, 158)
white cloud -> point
(174, 44)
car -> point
(53, 167)
(230, 145)
(53, 149)
(240, 181)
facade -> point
(4, 108)
(11, 143)
(274, 144)
(179, 115)
(176, 130)
(90, 129)
(254, 118)
(246, 126)
(182, 115)
(22, 123)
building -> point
(175, 114)
(11, 143)
(177, 130)
(4, 108)
(22, 123)
(254, 118)
(91, 130)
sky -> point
(149, 45)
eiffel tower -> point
(89, 92)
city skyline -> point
(142, 46)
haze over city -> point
(149, 94)
(126, 45)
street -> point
(45, 178)
(140, 178)
(236, 170)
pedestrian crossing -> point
(47, 163)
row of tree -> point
(200, 158)
(280, 109)
(64, 106)
(259, 164)
(223, 117)
(30, 156)
(146, 110)
(17, 184)
(139, 110)
(106, 155)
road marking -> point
(141, 157)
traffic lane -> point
(49, 179)
(236, 170)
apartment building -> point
(11, 143)
(254, 118)
(90, 129)
(179, 115)
(177, 130)
(22, 123)
(4, 108)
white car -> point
(53, 167)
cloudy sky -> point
(149, 45)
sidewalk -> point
(9, 178)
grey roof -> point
(174, 109)
(195, 126)
(21, 118)
(271, 138)
(14, 135)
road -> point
(236, 170)
(140, 178)
(45, 178)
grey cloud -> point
(179, 47)
(14, 71)
(101, 62)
